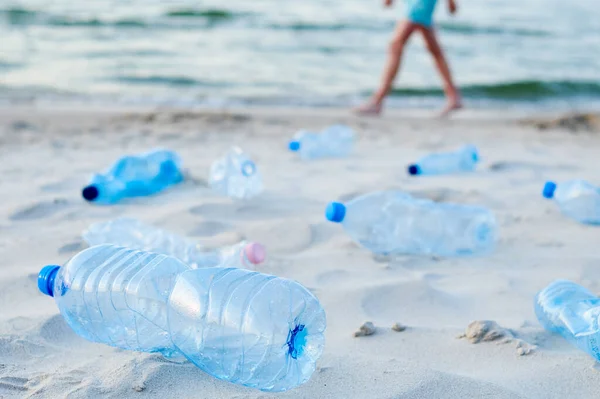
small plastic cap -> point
(90, 193)
(256, 253)
(475, 154)
(549, 190)
(335, 212)
(414, 170)
(46, 279)
(294, 146)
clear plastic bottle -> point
(392, 222)
(570, 310)
(577, 199)
(462, 160)
(240, 326)
(236, 175)
(132, 233)
(135, 176)
(335, 141)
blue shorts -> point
(420, 11)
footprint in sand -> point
(57, 332)
(332, 276)
(40, 210)
(209, 228)
(14, 384)
(63, 185)
(416, 302)
(71, 247)
(528, 166)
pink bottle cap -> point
(256, 253)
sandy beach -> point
(49, 154)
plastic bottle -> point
(335, 141)
(236, 175)
(240, 326)
(392, 222)
(135, 176)
(577, 199)
(132, 233)
(572, 311)
(462, 160)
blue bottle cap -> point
(414, 170)
(549, 190)
(294, 146)
(475, 154)
(90, 193)
(335, 212)
(46, 279)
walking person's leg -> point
(452, 93)
(404, 30)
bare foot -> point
(452, 106)
(368, 109)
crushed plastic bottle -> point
(335, 141)
(240, 326)
(236, 175)
(462, 160)
(577, 199)
(135, 176)
(572, 311)
(393, 222)
(132, 233)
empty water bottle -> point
(236, 175)
(134, 234)
(335, 141)
(240, 326)
(572, 311)
(462, 160)
(577, 199)
(134, 176)
(392, 222)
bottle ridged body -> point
(396, 223)
(237, 325)
(579, 200)
(235, 175)
(132, 233)
(572, 311)
(138, 175)
(462, 160)
(335, 141)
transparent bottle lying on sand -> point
(393, 223)
(577, 199)
(132, 233)
(240, 326)
(572, 311)
(135, 176)
(235, 175)
(463, 160)
(335, 141)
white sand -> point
(47, 156)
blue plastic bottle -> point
(135, 176)
(236, 175)
(392, 222)
(335, 141)
(577, 199)
(572, 311)
(240, 326)
(462, 160)
(132, 233)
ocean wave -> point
(25, 17)
(520, 90)
(212, 14)
(468, 29)
(163, 80)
